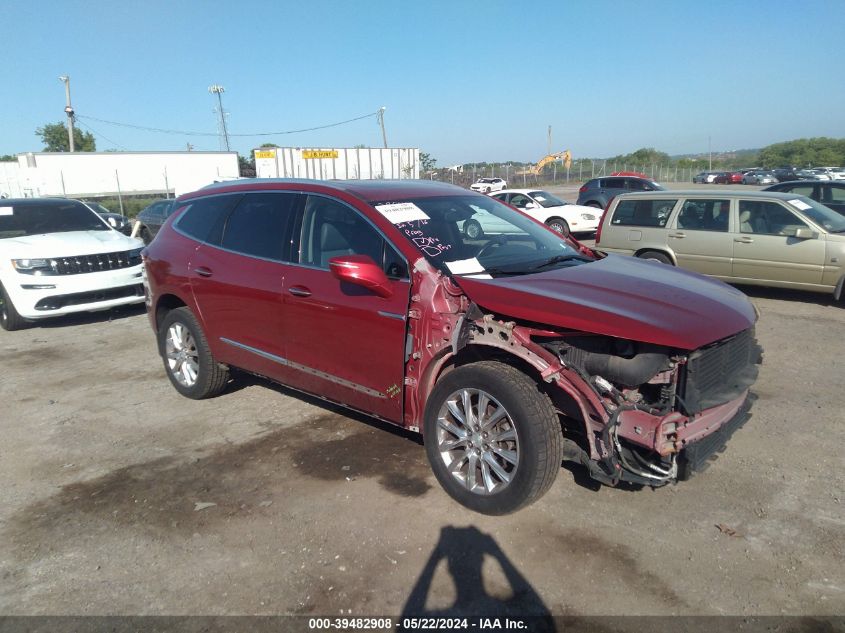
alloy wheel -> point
(477, 441)
(181, 354)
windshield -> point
(97, 207)
(824, 216)
(37, 219)
(546, 199)
(478, 236)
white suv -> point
(57, 256)
(486, 185)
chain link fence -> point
(517, 175)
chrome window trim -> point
(304, 368)
(291, 262)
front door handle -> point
(743, 240)
(680, 236)
(202, 271)
(299, 291)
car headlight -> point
(33, 266)
(588, 216)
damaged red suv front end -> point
(510, 350)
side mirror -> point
(530, 205)
(805, 233)
(361, 270)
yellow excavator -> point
(565, 156)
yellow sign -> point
(268, 153)
(319, 153)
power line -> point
(102, 136)
(186, 133)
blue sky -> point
(464, 81)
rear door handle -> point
(680, 236)
(202, 271)
(299, 291)
(743, 240)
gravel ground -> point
(122, 497)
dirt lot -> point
(109, 476)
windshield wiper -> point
(559, 259)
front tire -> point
(10, 320)
(492, 438)
(558, 225)
(187, 358)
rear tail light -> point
(601, 221)
(582, 189)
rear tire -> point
(502, 458)
(594, 204)
(473, 230)
(10, 320)
(187, 358)
(656, 256)
(558, 225)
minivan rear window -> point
(643, 212)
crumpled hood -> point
(67, 244)
(623, 297)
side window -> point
(767, 218)
(330, 229)
(520, 200)
(394, 264)
(202, 220)
(704, 215)
(501, 196)
(643, 212)
(257, 226)
(802, 190)
(833, 194)
(636, 185)
(613, 183)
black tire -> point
(473, 230)
(210, 377)
(145, 235)
(528, 416)
(10, 320)
(656, 256)
(558, 225)
(594, 204)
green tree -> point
(427, 162)
(246, 166)
(54, 137)
(805, 152)
(7, 158)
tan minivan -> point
(759, 238)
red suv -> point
(509, 353)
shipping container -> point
(346, 163)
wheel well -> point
(657, 250)
(564, 404)
(165, 304)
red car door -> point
(239, 280)
(343, 341)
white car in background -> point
(558, 215)
(58, 256)
(488, 185)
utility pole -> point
(709, 154)
(550, 140)
(219, 90)
(380, 117)
(65, 79)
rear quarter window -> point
(643, 212)
(203, 219)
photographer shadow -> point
(464, 550)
